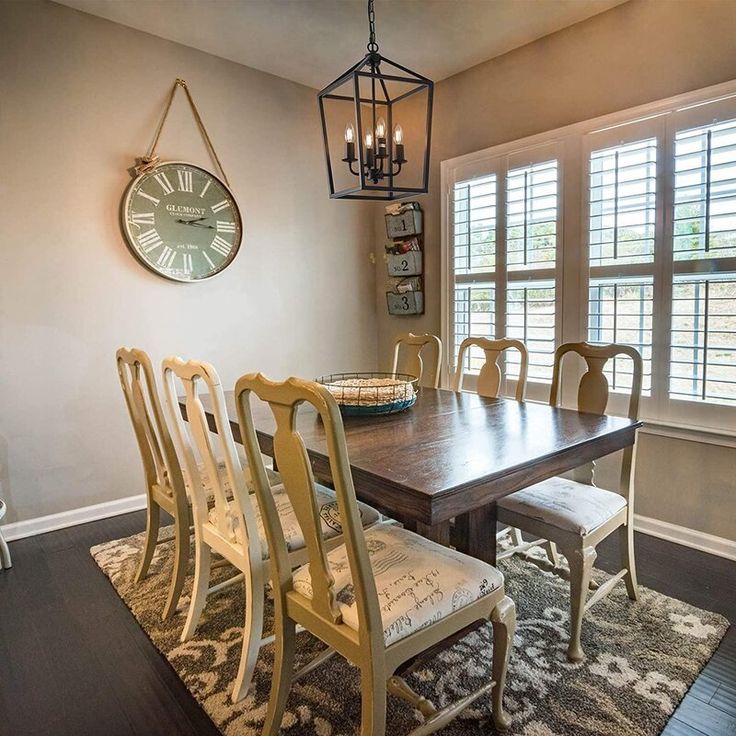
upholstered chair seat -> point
(328, 512)
(565, 504)
(419, 582)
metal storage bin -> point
(405, 264)
(410, 302)
(407, 223)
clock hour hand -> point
(196, 223)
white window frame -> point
(573, 144)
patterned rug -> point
(641, 659)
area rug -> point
(641, 659)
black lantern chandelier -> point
(360, 113)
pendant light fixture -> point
(377, 125)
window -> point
(647, 256)
(504, 245)
(621, 232)
(703, 352)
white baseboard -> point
(654, 527)
(52, 522)
(687, 537)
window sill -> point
(690, 433)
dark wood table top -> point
(453, 452)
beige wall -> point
(79, 99)
(638, 52)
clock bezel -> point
(130, 238)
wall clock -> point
(181, 221)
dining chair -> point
(490, 378)
(6, 561)
(489, 383)
(165, 486)
(408, 351)
(229, 523)
(428, 592)
(577, 515)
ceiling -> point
(314, 41)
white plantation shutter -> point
(647, 257)
(622, 199)
(474, 240)
(505, 228)
(531, 216)
(474, 253)
(531, 245)
(530, 317)
(703, 358)
(620, 311)
(703, 330)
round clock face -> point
(181, 221)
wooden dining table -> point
(451, 456)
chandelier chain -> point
(372, 45)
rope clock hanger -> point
(180, 220)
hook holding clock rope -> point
(151, 159)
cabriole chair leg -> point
(181, 565)
(373, 701)
(283, 673)
(626, 541)
(503, 618)
(581, 566)
(5, 561)
(153, 514)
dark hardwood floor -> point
(74, 661)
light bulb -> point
(398, 135)
(380, 128)
(349, 133)
(369, 140)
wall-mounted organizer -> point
(404, 259)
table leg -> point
(439, 533)
(476, 533)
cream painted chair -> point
(5, 561)
(429, 592)
(490, 381)
(408, 351)
(228, 522)
(577, 515)
(165, 487)
(490, 378)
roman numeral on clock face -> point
(149, 197)
(187, 258)
(205, 188)
(143, 218)
(221, 246)
(208, 259)
(164, 183)
(149, 240)
(166, 257)
(223, 226)
(185, 180)
(220, 205)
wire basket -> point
(360, 394)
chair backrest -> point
(408, 350)
(593, 396)
(490, 378)
(295, 468)
(234, 520)
(593, 387)
(158, 453)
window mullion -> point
(501, 258)
(663, 231)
